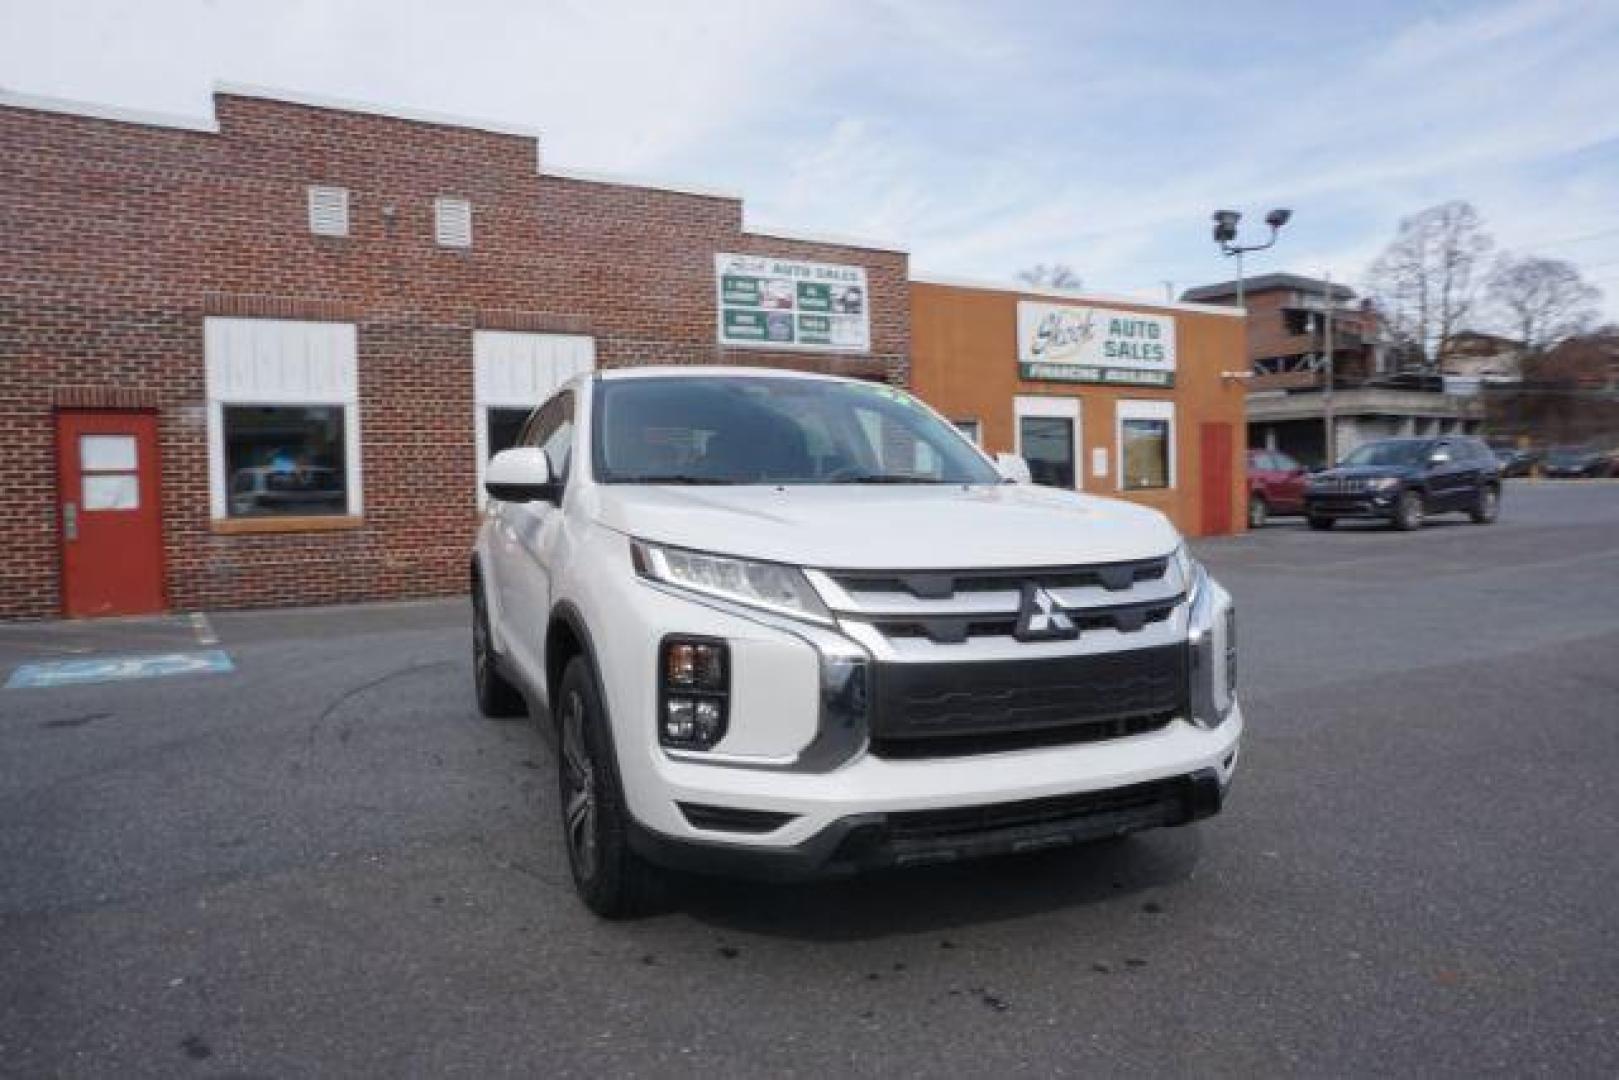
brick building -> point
(1372, 396)
(260, 359)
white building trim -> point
(280, 362)
(93, 111)
(392, 112)
(1136, 409)
(589, 176)
(833, 239)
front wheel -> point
(1487, 508)
(612, 880)
(1258, 512)
(1409, 511)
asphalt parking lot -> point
(321, 861)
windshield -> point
(762, 430)
(1393, 452)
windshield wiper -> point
(672, 478)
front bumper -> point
(877, 812)
(1369, 505)
(876, 841)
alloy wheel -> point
(578, 789)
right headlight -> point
(1211, 646)
(770, 586)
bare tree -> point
(1542, 301)
(1055, 276)
(1426, 280)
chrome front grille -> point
(1340, 485)
(934, 616)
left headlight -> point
(770, 586)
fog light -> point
(696, 664)
(678, 722)
(693, 693)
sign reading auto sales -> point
(1068, 343)
(787, 304)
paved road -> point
(325, 863)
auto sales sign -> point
(1069, 343)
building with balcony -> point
(1361, 381)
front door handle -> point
(70, 521)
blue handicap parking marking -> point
(114, 668)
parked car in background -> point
(1275, 486)
(1578, 462)
(1515, 461)
(1402, 481)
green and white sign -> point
(1070, 343)
(789, 304)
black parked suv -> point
(1402, 481)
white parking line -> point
(203, 629)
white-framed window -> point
(452, 222)
(972, 429)
(1145, 447)
(513, 374)
(1048, 431)
(328, 210)
(283, 419)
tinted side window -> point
(1283, 462)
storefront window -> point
(285, 460)
(1145, 453)
(1048, 447)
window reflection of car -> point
(269, 490)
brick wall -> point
(121, 238)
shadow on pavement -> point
(937, 899)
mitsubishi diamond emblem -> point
(1041, 617)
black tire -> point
(1409, 510)
(611, 879)
(1321, 524)
(1487, 507)
(1258, 511)
(497, 698)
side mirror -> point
(521, 474)
(1012, 467)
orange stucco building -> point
(1107, 395)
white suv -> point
(785, 625)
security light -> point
(1278, 217)
(1225, 226)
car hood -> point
(890, 528)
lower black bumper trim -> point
(865, 842)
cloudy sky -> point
(983, 136)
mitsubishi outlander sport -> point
(788, 625)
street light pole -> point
(1330, 436)
(1225, 234)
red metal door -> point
(1214, 468)
(108, 514)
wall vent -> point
(329, 211)
(452, 222)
